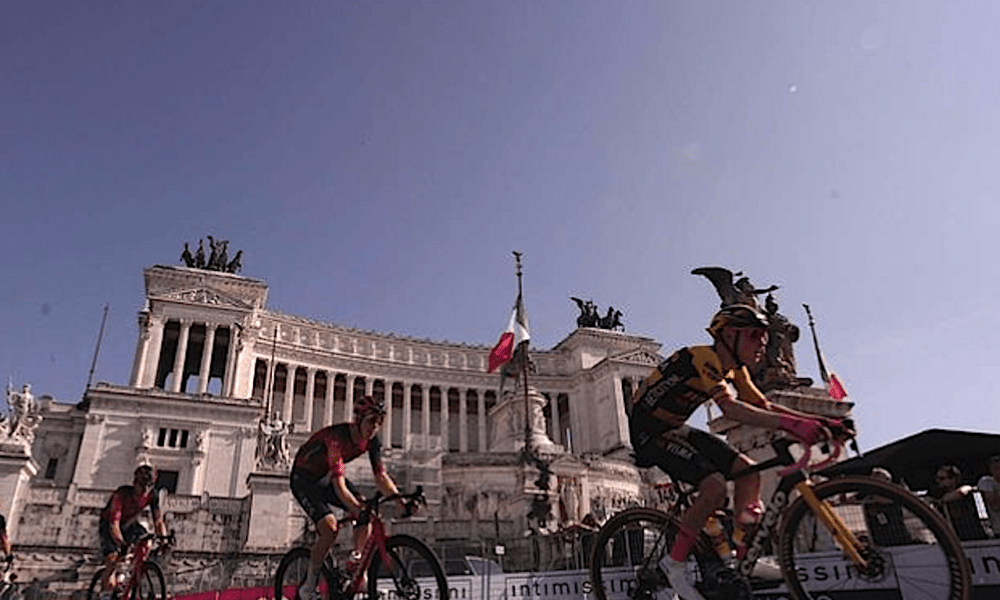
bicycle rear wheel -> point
(413, 572)
(626, 552)
(291, 574)
(906, 544)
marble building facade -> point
(214, 367)
(223, 388)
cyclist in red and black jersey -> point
(319, 485)
(670, 395)
(119, 525)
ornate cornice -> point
(197, 286)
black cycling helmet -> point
(737, 316)
(368, 405)
(145, 473)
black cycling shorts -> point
(130, 532)
(316, 498)
(689, 454)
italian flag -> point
(515, 334)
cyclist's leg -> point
(747, 507)
(109, 549)
(362, 527)
(314, 498)
(700, 459)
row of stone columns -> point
(422, 402)
(150, 346)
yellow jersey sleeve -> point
(748, 392)
(712, 380)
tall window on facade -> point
(300, 378)
(278, 390)
(340, 398)
(259, 380)
(562, 405)
(217, 364)
(417, 408)
(168, 348)
(51, 467)
(396, 435)
(454, 420)
(472, 419)
(435, 402)
(319, 400)
(359, 390)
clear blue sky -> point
(378, 161)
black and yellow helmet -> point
(737, 316)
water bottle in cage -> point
(717, 533)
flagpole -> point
(97, 350)
(824, 375)
(524, 364)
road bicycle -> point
(136, 574)
(400, 566)
(837, 536)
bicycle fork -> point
(844, 536)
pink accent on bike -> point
(803, 462)
(809, 431)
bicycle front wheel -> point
(904, 544)
(626, 552)
(412, 573)
(150, 585)
(291, 574)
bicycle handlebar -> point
(844, 430)
(371, 505)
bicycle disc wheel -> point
(413, 572)
(626, 552)
(291, 574)
(906, 544)
(151, 585)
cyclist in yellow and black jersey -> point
(669, 396)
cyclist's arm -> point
(5, 542)
(740, 400)
(161, 526)
(115, 520)
(747, 413)
(749, 393)
(350, 500)
(335, 468)
(382, 480)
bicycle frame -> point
(797, 481)
(140, 554)
(376, 541)
(376, 537)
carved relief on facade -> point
(605, 501)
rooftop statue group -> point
(778, 368)
(218, 259)
(590, 317)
